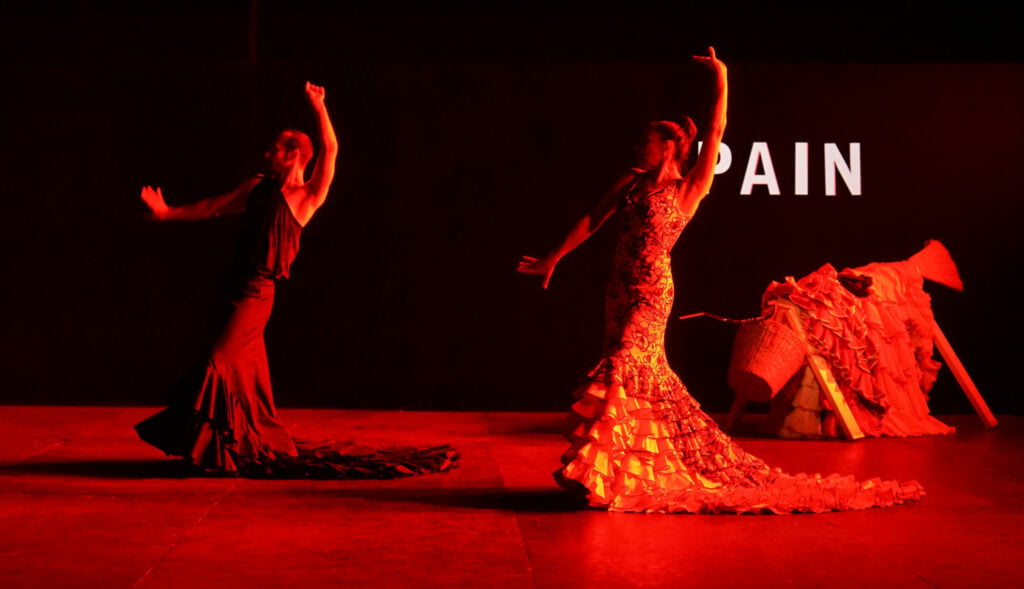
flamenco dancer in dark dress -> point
(641, 443)
(230, 426)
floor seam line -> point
(188, 532)
(40, 452)
(515, 514)
(57, 444)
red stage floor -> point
(83, 503)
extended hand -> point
(711, 61)
(315, 94)
(538, 266)
(154, 199)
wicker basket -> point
(765, 355)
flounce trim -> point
(227, 433)
(879, 347)
(231, 427)
(624, 458)
(350, 461)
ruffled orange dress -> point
(879, 348)
(640, 442)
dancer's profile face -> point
(277, 157)
(651, 150)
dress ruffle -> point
(626, 456)
(352, 461)
(225, 423)
(230, 433)
(879, 348)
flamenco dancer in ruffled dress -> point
(229, 424)
(641, 442)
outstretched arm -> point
(583, 229)
(225, 204)
(698, 180)
(323, 168)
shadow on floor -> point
(547, 500)
(105, 469)
(519, 500)
(557, 429)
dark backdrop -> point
(469, 139)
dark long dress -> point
(641, 442)
(231, 426)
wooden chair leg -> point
(738, 405)
(826, 380)
(830, 387)
(964, 379)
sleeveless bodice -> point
(651, 221)
(270, 233)
(640, 289)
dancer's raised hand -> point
(154, 199)
(315, 94)
(537, 266)
(712, 61)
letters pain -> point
(760, 170)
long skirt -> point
(231, 427)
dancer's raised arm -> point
(698, 180)
(323, 167)
(583, 229)
(224, 204)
